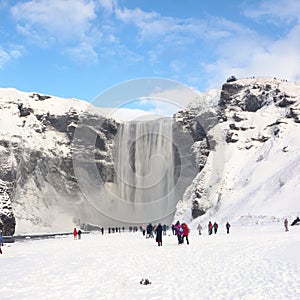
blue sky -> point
(79, 48)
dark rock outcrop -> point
(7, 219)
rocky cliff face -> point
(259, 119)
(250, 126)
(36, 136)
(7, 219)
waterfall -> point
(144, 163)
(151, 168)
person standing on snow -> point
(79, 234)
(179, 232)
(210, 227)
(75, 233)
(185, 233)
(286, 224)
(158, 231)
(199, 228)
(149, 231)
(1, 241)
(173, 229)
(164, 229)
(216, 227)
(227, 227)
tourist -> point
(199, 228)
(165, 229)
(296, 222)
(158, 231)
(286, 224)
(75, 233)
(216, 227)
(149, 231)
(173, 229)
(1, 241)
(185, 233)
(210, 227)
(227, 227)
(179, 232)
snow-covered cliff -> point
(245, 148)
(260, 120)
(36, 133)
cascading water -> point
(144, 160)
(152, 166)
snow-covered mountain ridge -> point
(255, 171)
(261, 174)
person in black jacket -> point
(216, 227)
(227, 227)
(158, 232)
(296, 222)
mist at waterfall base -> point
(153, 166)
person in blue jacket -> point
(1, 241)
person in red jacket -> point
(75, 233)
(185, 232)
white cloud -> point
(83, 54)
(252, 54)
(4, 58)
(270, 10)
(179, 96)
(7, 55)
(108, 5)
(67, 24)
(62, 20)
(152, 24)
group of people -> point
(286, 223)
(151, 229)
(213, 228)
(182, 232)
(114, 229)
(77, 234)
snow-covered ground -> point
(255, 261)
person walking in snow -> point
(199, 228)
(286, 224)
(158, 232)
(164, 227)
(75, 233)
(185, 233)
(227, 227)
(210, 228)
(79, 234)
(216, 227)
(1, 241)
(179, 232)
(149, 231)
(173, 229)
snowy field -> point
(252, 262)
